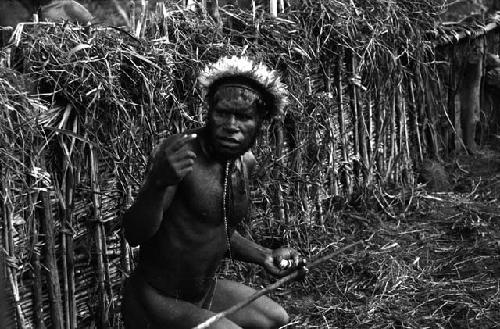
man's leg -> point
(140, 300)
(263, 313)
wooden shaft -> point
(292, 276)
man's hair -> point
(242, 71)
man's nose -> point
(231, 123)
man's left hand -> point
(283, 261)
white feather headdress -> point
(243, 70)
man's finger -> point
(188, 155)
(182, 140)
(183, 172)
(186, 163)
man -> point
(13, 12)
(195, 194)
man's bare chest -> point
(205, 188)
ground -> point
(430, 261)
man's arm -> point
(248, 251)
(143, 218)
(271, 259)
(171, 161)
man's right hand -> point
(172, 160)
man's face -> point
(232, 126)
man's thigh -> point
(261, 313)
(144, 307)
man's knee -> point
(270, 318)
(278, 317)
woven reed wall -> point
(73, 160)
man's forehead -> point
(236, 95)
(235, 105)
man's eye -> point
(221, 113)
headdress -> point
(241, 71)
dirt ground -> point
(429, 259)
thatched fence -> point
(82, 109)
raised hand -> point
(172, 160)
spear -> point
(300, 272)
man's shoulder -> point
(249, 160)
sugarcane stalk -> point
(400, 133)
(98, 236)
(333, 166)
(363, 132)
(64, 265)
(124, 248)
(450, 108)
(370, 141)
(392, 140)
(37, 276)
(278, 190)
(273, 7)
(131, 5)
(332, 143)
(350, 60)
(54, 289)
(414, 121)
(301, 271)
(8, 211)
(68, 237)
(35, 256)
(405, 147)
(345, 179)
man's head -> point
(240, 95)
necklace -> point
(224, 206)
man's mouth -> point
(228, 141)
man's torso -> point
(182, 257)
